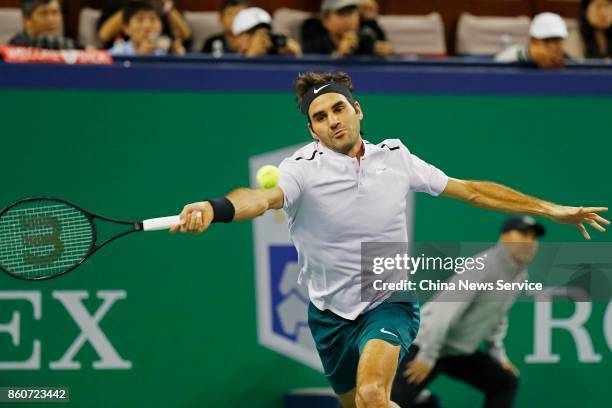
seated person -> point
(42, 26)
(252, 28)
(594, 39)
(225, 42)
(142, 23)
(338, 32)
(368, 12)
(545, 47)
(174, 25)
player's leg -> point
(341, 343)
(339, 354)
(486, 374)
(384, 338)
(347, 400)
(375, 373)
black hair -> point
(134, 6)
(587, 32)
(28, 6)
(307, 80)
(232, 3)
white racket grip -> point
(162, 223)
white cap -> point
(547, 25)
(249, 18)
(333, 5)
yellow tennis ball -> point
(268, 176)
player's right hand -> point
(195, 218)
(416, 371)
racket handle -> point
(162, 223)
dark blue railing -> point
(197, 72)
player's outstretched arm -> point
(248, 204)
(498, 197)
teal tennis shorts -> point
(340, 341)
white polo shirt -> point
(334, 203)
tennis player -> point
(338, 192)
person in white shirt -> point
(547, 34)
(338, 192)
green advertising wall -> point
(188, 321)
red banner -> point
(37, 55)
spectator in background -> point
(252, 28)
(368, 13)
(545, 47)
(594, 40)
(111, 22)
(338, 32)
(226, 42)
(142, 23)
(42, 26)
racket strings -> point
(43, 238)
(13, 238)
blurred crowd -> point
(342, 28)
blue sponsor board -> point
(280, 257)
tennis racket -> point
(43, 238)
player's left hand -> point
(507, 365)
(579, 216)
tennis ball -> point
(268, 176)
